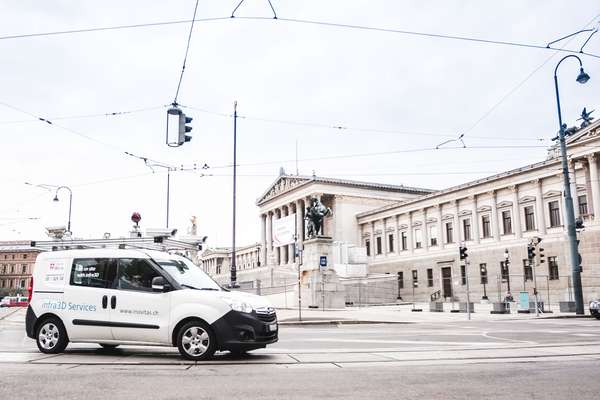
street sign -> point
(323, 261)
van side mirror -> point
(160, 285)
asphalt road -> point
(546, 359)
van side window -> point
(93, 272)
(135, 274)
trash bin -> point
(500, 308)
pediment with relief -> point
(527, 199)
(281, 185)
(552, 193)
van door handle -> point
(113, 302)
(104, 301)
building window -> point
(529, 219)
(368, 246)
(554, 213)
(218, 269)
(449, 233)
(418, 243)
(467, 229)
(483, 274)
(22, 284)
(506, 222)
(527, 270)
(433, 235)
(430, 277)
(552, 268)
(463, 275)
(485, 225)
(391, 243)
(400, 280)
(504, 266)
(24, 256)
(404, 241)
(415, 278)
(583, 205)
(378, 243)
(12, 269)
(24, 268)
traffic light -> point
(177, 127)
(463, 252)
(541, 253)
(184, 128)
(530, 252)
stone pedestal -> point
(323, 283)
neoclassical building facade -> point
(291, 195)
(495, 218)
(414, 234)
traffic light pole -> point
(468, 291)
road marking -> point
(485, 334)
(584, 334)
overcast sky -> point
(383, 84)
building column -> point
(495, 226)
(425, 234)
(440, 227)
(475, 219)
(593, 162)
(540, 217)
(277, 250)
(269, 249)
(373, 247)
(398, 238)
(291, 256)
(411, 242)
(456, 231)
(299, 224)
(516, 212)
(573, 184)
(263, 238)
(384, 238)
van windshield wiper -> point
(192, 287)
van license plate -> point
(272, 327)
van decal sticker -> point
(138, 312)
(67, 306)
(55, 272)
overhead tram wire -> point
(345, 128)
(530, 75)
(187, 49)
(304, 21)
(85, 116)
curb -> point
(340, 322)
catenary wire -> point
(187, 49)
(303, 21)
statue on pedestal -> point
(314, 217)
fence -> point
(551, 290)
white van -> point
(141, 297)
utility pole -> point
(233, 269)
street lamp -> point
(582, 78)
(70, 203)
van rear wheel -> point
(196, 341)
(51, 336)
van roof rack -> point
(144, 243)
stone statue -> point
(586, 117)
(314, 217)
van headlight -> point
(237, 305)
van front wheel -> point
(196, 341)
(51, 336)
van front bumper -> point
(238, 331)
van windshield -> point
(187, 274)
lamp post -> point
(571, 233)
(70, 203)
